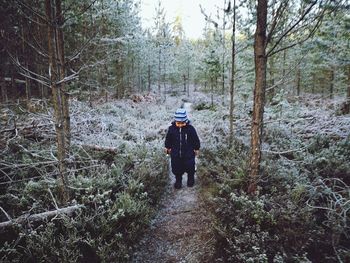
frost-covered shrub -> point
(204, 106)
(300, 213)
(117, 172)
(240, 230)
(329, 159)
(224, 165)
(279, 175)
(119, 201)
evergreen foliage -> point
(300, 213)
(118, 173)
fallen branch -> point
(100, 148)
(14, 165)
(39, 217)
(50, 175)
(288, 151)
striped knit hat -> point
(180, 115)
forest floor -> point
(181, 231)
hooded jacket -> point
(182, 141)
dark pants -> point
(179, 166)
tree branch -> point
(208, 18)
(279, 13)
(312, 32)
(301, 18)
(28, 73)
(40, 15)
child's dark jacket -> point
(182, 141)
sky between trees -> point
(189, 10)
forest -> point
(87, 94)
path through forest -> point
(181, 231)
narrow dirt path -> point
(181, 231)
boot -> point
(190, 180)
(178, 182)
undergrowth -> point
(300, 213)
(117, 176)
(118, 203)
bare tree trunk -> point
(119, 78)
(42, 88)
(27, 83)
(139, 85)
(57, 100)
(90, 96)
(27, 86)
(188, 80)
(322, 81)
(3, 90)
(40, 35)
(271, 93)
(331, 83)
(184, 78)
(313, 83)
(62, 74)
(13, 83)
(233, 71)
(149, 78)
(223, 52)
(164, 76)
(212, 91)
(284, 63)
(132, 76)
(347, 103)
(164, 80)
(348, 95)
(298, 80)
(259, 94)
(159, 69)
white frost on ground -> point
(181, 230)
